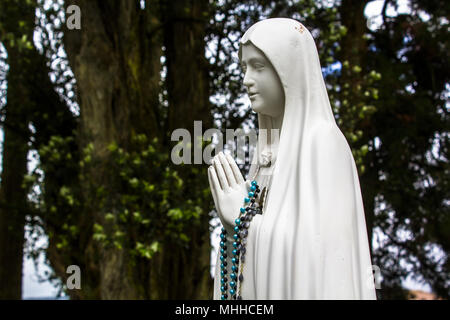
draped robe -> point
(311, 241)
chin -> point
(257, 108)
(262, 110)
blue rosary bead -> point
(241, 222)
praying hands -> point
(228, 189)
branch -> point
(384, 9)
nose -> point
(248, 80)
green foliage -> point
(409, 163)
(150, 204)
(147, 251)
(59, 205)
(16, 24)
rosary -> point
(242, 223)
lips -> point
(252, 95)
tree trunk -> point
(116, 61)
(187, 86)
(13, 196)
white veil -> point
(312, 240)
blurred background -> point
(91, 91)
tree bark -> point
(116, 61)
(13, 196)
(187, 86)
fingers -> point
(248, 184)
(213, 179)
(237, 173)
(221, 174)
(213, 183)
(229, 173)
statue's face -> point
(263, 84)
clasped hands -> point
(228, 189)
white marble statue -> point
(310, 242)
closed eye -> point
(258, 66)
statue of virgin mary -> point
(310, 240)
